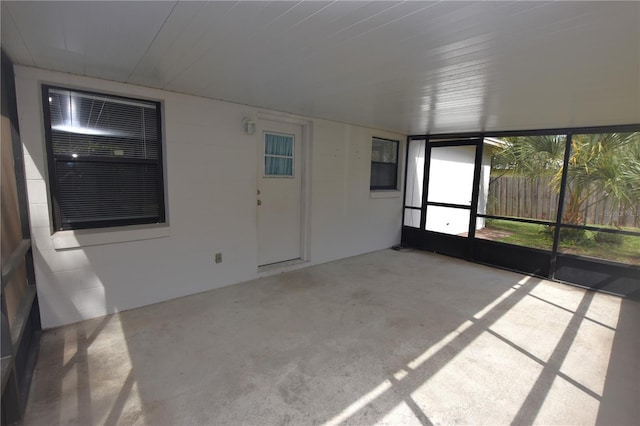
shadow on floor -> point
(387, 337)
(620, 402)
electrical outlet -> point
(218, 257)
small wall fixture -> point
(249, 126)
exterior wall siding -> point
(211, 178)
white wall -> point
(211, 174)
(485, 178)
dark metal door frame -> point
(454, 245)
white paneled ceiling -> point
(412, 67)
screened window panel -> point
(105, 159)
(520, 176)
(603, 181)
(415, 173)
(412, 218)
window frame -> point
(52, 184)
(393, 187)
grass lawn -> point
(537, 236)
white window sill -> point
(385, 194)
(94, 237)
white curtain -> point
(278, 155)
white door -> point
(279, 195)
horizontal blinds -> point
(87, 125)
(106, 159)
(383, 175)
(93, 191)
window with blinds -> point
(384, 164)
(105, 159)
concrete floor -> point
(382, 338)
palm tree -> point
(600, 165)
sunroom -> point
(320, 212)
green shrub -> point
(573, 235)
(608, 238)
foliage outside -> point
(602, 245)
(600, 165)
(603, 163)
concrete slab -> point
(382, 338)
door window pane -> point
(451, 171)
(278, 155)
(520, 176)
(275, 144)
(448, 220)
(274, 166)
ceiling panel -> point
(44, 26)
(248, 27)
(179, 32)
(119, 34)
(12, 39)
(412, 67)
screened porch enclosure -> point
(559, 204)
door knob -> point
(259, 202)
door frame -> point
(305, 190)
(453, 245)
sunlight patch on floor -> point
(359, 404)
(468, 387)
(586, 361)
(565, 394)
(424, 357)
(92, 384)
(401, 414)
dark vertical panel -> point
(476, 191)
(425, 183)
(560, 210)
(404, 192)
(20, 313)
(11, 221)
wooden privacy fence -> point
(536, 199)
